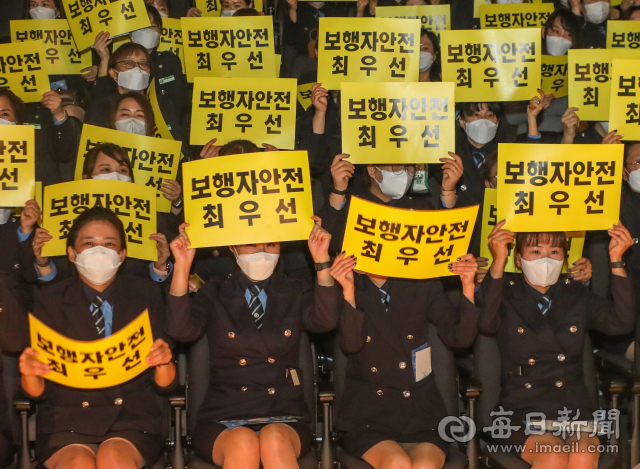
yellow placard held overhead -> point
(405, 243)
(229, 47)
(555, 70)
(490, 220)
(492, 64)
(624, 111)
(95, 364)
(87, 19)
(304, 95)
(590, 80)
(152, 159)
(134, 204)
(522, 15)
(397, 122)
(250, 198)
(559, 187)
(368, 50)
(24, 70)
(434, 18)
(61, 53)
(213, 8)
(623, 34)
(171, 38)
(17, 164)
(260, 110)
(478, 3)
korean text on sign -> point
(61, 53)
(17, 164)
(304, 95)
(559, 187)
(490, 220)
(554, 75)
(478, 3)
(87, 18)
(134, 204)
(259, 110)
(623, 34)
(590, 80)
(397, 242)
(624, 113)
(434, 18)
(397, 122)
(171, 38)
(229, 47)
(24, 71)
(97, 364)
(523, 15)
(152, 159)
(212, 8)
(368, 50)
(492, 64)
(250, 198)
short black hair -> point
(247, 12)
(155, 14)
(96, 214)
(470, 109)
(18, 106)
(569, 23)
(627, 148)
(113, 151)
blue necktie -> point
(98, 315)
(544, 305)
(255, 305)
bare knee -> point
(118, 453)
(73, 457)
(585, 460)
(243, 441)
(396, 461)
(275, 434)
(551, 460)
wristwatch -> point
(617, 265)
(177, 204)
(323, 265)
(336, 191)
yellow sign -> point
(153, 159)
(368, 50)
(478, 3)
(523, 15)
(304, 95)
(405, 243)
(624, 113)
(492, 64)
(171, 38)
(278, 64)
(490, 219)
(212, 8)
(259, 110)
(229, 47)
(17, 164)
(162, 129)
(250, 198)
(60, 50)
(590, 80)
(134, 204)
(94, 364)
(554, 75)
(88, 18)
(397, 122)
(434, 18)
(24, 71)
(623, 34)
(559, 187)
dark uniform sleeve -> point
(491, 291)
(14, 325)
(457, 327)
(335, 222)
(351, 333)
(320, 308)
(187, 318)
(617, 317)
(66, 138)
(157, 316)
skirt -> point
(207, 433)
(358, 442)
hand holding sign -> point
(32, 372)
(342, 272)
(159, 354)
(499, 239)
(621, 240)
(30, 215)
(319, 240)
(183, 255)
(581, 270)
(341, 171)
(466, 267)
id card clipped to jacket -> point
(421, 359)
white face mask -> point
(634, 180)
(505, 2)
(147, 38)
(257, 266)
(481, 130)
(98, 264)
(598, 12)
(135, 79)
(318, 4)
(163, 15)
(605, 126)
(394, 185)
(228, 12)
(557, 45)
(426, 61)
(6, 122)
(114, 176)
(131, 125)
(42, 13)
(542, 272)
(5, 214)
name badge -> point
(59, 85)
(168, 79)
(421, 358)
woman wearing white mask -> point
(228, 6)
(163, 7)
(541, 322)
(253, 320)
(430, 68)
(43, 9)
(104, 161)
(84, 428)
(593, 16)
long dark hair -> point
(144, 104)
(19, 109)
(435, 72)
(568, 22)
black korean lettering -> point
(597, 200)
(458, 227)
(524, 203)
(398, 132)
(367, 136)
(249, 207)
(286, 207)
(45, 344)
(389, 230)
(559, 197)
(538, 171)
(57, 367)
(408, 254)
(442, 253)
(135, 339)
(515, 173)
(67, 355)
(91, 357)
(132, 361)
(365, 225)
(213, 215)
(198, 187)
(371, 250)
(94, 372)
(410, 233)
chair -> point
(442, 362)
(198, 381)
(487, 367)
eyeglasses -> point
(399, 169)
(130, 64)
